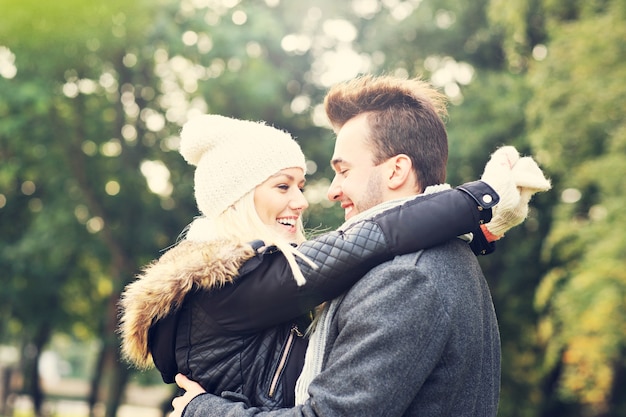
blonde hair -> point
(240, 222)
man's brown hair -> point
(404, 116)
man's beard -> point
(373, 194)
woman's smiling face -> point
(279, 201)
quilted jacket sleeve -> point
(266, 294)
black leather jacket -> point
(245, 338)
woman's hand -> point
(515, 179)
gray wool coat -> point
(417, 336)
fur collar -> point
(162, 285)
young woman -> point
(228, 306)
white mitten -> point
(515, 180)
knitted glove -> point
(515, 179)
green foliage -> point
(576, 115)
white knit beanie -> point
(232, 157)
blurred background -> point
(93, 96)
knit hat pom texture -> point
(232, 157)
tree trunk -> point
(118, 382)
(96, 379)
(31, 355)
(7, 377)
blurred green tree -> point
(570, 56)
(79, 163)
(576, 120)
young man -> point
(417, 335)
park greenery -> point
(93, 96)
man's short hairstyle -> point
(404, 116)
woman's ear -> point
(400, 172)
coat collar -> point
(162, 285)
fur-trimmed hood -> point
(163, 284)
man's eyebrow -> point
(337, 161)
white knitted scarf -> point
(319, 336)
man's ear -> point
(400, 171)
